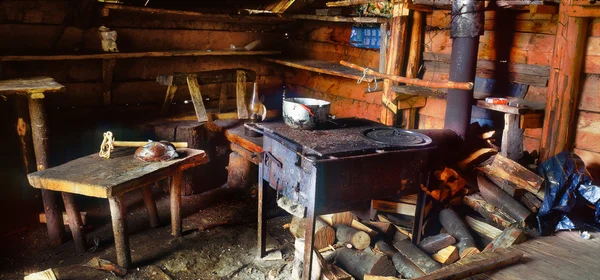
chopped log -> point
(345, 3)
(376, 277)
(399, 236)
(359, 263)
(432, 244)
(101, 264)
(515, 174)
(510, 236)
(483, 228)
(455, 227)
(476, 158)
(330, 271)
(447, 255)
(385, 228)
(503, 201)
(488, 211)
(394, 207)
(47, 274)
(418, 257)
(505, 186)
(383, 218)
(298, 264)
(475, 264)
(383, 247)
(359, 239)
(343, 218)
(324, 234)
(405, 267)
(531, 202)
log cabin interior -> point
(300, 139)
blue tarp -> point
(567, 183)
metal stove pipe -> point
(467, 26)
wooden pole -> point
(175, 197)
(563, 86)
(411, 81)
(39, 132)
(150, 206)
(414, 63)
(75, 223)
(118, 213)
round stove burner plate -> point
(396, 137)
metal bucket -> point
(305, 113)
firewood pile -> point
(475, 212)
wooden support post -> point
(394, 62)
(512, 138)
(310, 227)
(39, 132)
(563, 86)
(223, 98)
(175, 196)
(108, 67)
(75, 223)
(168, 99)
(118, 213)
(413, 65)
(262, 222)
(194, 88)
(150, 206)
(383, 45)
(240, 95)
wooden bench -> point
(111, 178)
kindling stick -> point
(411, 81)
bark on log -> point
(359, 239)
(324, 234)
(488, 210)
(383, 247)
(455, 227)
(432, 244)
(503, 201)
(405, 267)
(416, 256)
(510, 236)
(359, 263)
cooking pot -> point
(305, 113)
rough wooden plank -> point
(394, 207)
(531, 121)
(196, 95)
(30, 86)
(108, 67)
(240, 94)
(513, 173)
(588, 131)
(324, 67)
(341, 18)
(168, 99)
(206, 77)
(512, 138)
(510, 236)
(98, 177)
(483, 228)
(487, 210)
(508, 109)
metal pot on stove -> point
(305, 113)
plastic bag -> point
(567, 183)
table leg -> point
(308, 240)
(176, 203)
(118, 213)
(39, 132)
(150, 206)
(420, 213)
(262, 229)
(75, 222)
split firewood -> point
(394, 207)
(476, 158)
(447, 255)
(510, 236)
(324, 234)
(475, 264)
(510, 189)
(383, 227)
(330, 271)
(416, 256)
(331, 248)
(399, 236)
(298, 263)
(47, 274)
(497, 197)
(383, 218)
(342, 219)
(101, 264)
(487, 135)
(432, 244)
(360, 263)
(513, 173)
(488, 211)
(382, 247)
(451, 180)
(531, 202)
(376, 277)
(405, 267)
(455, 227)
(359, 239)
(486, 230)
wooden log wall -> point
(41, 27)
(528, 60)
(330, 41)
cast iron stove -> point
(341, 166)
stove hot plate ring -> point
(396, 137)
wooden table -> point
(35, 89)
(111, 178)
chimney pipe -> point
(467, 26)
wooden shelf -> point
(341, 18)
(528, 106)
(118, 9)
(133, 55)
(323, 67)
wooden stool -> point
(195, 79)
(111, 179)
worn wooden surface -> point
(532, 107)
(341, 18)
(197, 99)
(512, 173)
(97, 177)
(30, 86)
(206, 77)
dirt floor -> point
(219, 242)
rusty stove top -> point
(345, 137)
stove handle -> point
(269, 157)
